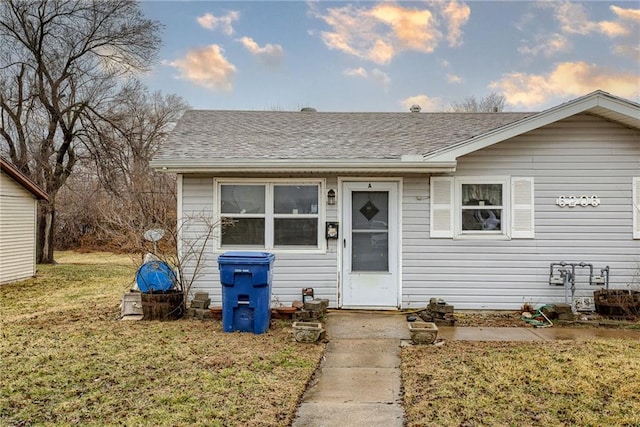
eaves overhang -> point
(289, 166)
(599, 103)
(23, 180)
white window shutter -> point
(522, 208)
(442, 207)
(635, 205)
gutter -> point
(298, 166)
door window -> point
(370, 231)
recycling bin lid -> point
(246, 257)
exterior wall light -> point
(331, 197)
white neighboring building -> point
(18, 218)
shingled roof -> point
(309, 141)
(263, 135)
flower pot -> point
(216, 313)
(162, 305)
(423, 332)
(307, 332)
(617, 302)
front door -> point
(370, 277)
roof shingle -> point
(274, 135)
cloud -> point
(356, 72)
(380, 77)
(573, 19)
(567, 79)
(270, 54)
(629, 18)
(457, 15)
(379, 32)
(546, 45)
(410, 29)
(211, 22)
(630, 50)
(375, 74)
(206, 67)
(425, 102)
(452, 78)
(627, 14)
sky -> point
(386, 56)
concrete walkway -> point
(358, 383)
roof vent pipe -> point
(308, 110)
(415, 108)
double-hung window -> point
(271, 215)
(482, 207)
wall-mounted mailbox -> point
(331, 230)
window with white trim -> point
(269, 215)
(482, 207)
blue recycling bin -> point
(246, 290)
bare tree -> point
(60, 65)
(129, 134)
(118, 197)
(125, 140)
(492, 103)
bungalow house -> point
(388, 210)
(18, 217)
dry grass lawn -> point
(593, 383)
(67, 360)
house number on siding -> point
(573, 201)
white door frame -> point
(394, 256)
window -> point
(270, 215)
(482, 207)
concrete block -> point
(562, 308)
(302, 315)
(198, 303)
(566, 316)
(202, 313)
(201, 296)
(313, 305)
(443, 309)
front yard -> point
(67, 359)
(562, 383)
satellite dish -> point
(154, 234)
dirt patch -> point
(513, 319)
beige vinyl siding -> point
(292, 271)
(17, 231)
(582, 155)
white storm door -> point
(370, 277)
